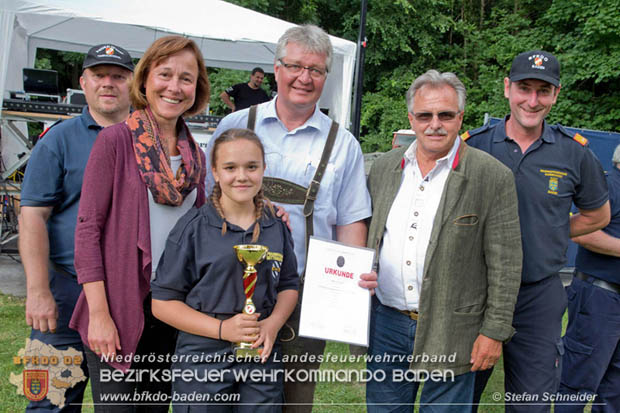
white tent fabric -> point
(228, 35)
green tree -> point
(586, 36)
(295, 11)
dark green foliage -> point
(587, 39)
(477, 40)
(385, 110)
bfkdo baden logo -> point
(48, 372)
(35, 384)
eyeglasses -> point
(442, 116)
(296, 69)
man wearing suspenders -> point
(314, 167)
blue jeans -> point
(591, 363)
(66, 292)
(392, 333)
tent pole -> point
(359, 72)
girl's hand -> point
(241, 327)
(102, 335)
(267, 337)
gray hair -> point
(312, 38)
(615, 159)
(435, 79)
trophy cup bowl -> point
(250, 255)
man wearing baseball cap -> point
(552, 170)
(49, 203)
(591, 362)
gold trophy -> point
(251, 255)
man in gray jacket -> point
(446, 229)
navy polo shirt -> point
(606, 267)
(554, 172)
(200, 267)
(54, 179)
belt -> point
(409, 313)
(615, 288)
(412, 314)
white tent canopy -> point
(228, 35)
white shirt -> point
(163, 218)
(408, 230)
(294, 155)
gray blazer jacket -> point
(473, 261)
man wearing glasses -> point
(553, 169)
(326, 199)
(446, 229)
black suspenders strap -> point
(282, 191)
(313, 188)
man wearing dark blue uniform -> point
(591, 362)
(49, 199)
(552, 169)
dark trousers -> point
(66, 291)
(591, 362)
(392, 333)
(245, 386)
(141, 395)
(299, 395)
(533, 357)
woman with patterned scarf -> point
(141, 177)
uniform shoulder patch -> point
(42, 134)
(579, 138)
(473, 132)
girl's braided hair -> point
(259, 199)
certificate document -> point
(334, 307)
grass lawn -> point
(350, 397)
(332, 397)
(14, 331)
(12, 338)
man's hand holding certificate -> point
(334, 307)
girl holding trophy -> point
(228, 275)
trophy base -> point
(245, 353)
